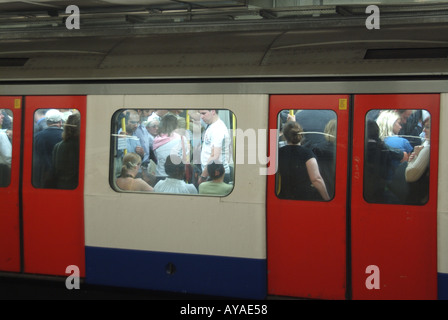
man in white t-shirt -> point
(215, 145)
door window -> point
(397, 150)
(306, 155)
(6, 121)
(56, 148)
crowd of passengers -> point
(160, 146)
(396, 164)
(163, 153)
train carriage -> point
(376, 236)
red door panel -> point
(53, 225)
(307, 239)
(9, 195)
(398, 240)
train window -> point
(5, 147)
(306, 155)
(56, 148)
(173, 151)
(397, 150)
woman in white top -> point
(174, 183)
(168, 142)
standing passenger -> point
(66, 155)
(44, 142)
(299, 174)
(166, 143)
(215, 146)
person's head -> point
(292, 132)
(330, 130)
(215, 170)
(404, 115)
(389, 123)
(372, 130)
(132, 121)
(71, 127)
(427, 125)
(168, 124)
(174, 167)
(152, 127)
(209, 116)
(2, 116)
(53, 118)
(131, 164)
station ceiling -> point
(173, 38)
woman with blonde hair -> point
(127, 179)
(389, 122)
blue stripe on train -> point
(442, 286)
(188, 273)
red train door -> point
(393, 232)
(386, 222)
(53, 225)
(306, 237)
(10, 137)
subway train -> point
(246, 243)
(371, 232)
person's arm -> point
(316, 179)
(417, 165)
(143, 186)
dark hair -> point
(168, 124)
(71, 127)
(292, 132)
(174, 167)
(213, 167)
(372, 130)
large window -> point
(173, 151)
(56, 148)
(6, 121)
(397, 152)
(306, 155)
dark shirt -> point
(44, 143)
(295, 182)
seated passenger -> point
(417, 171)
(174, 183)
(390, 125)
(129, 170)
(216, 185)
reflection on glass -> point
(5, 147)
(171, 151)
(397, 148)
(306, 155)
(56, 148)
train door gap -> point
(348, 292)
(22, 130)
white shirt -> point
(5, 149)
(216, 136)
(170, 185)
